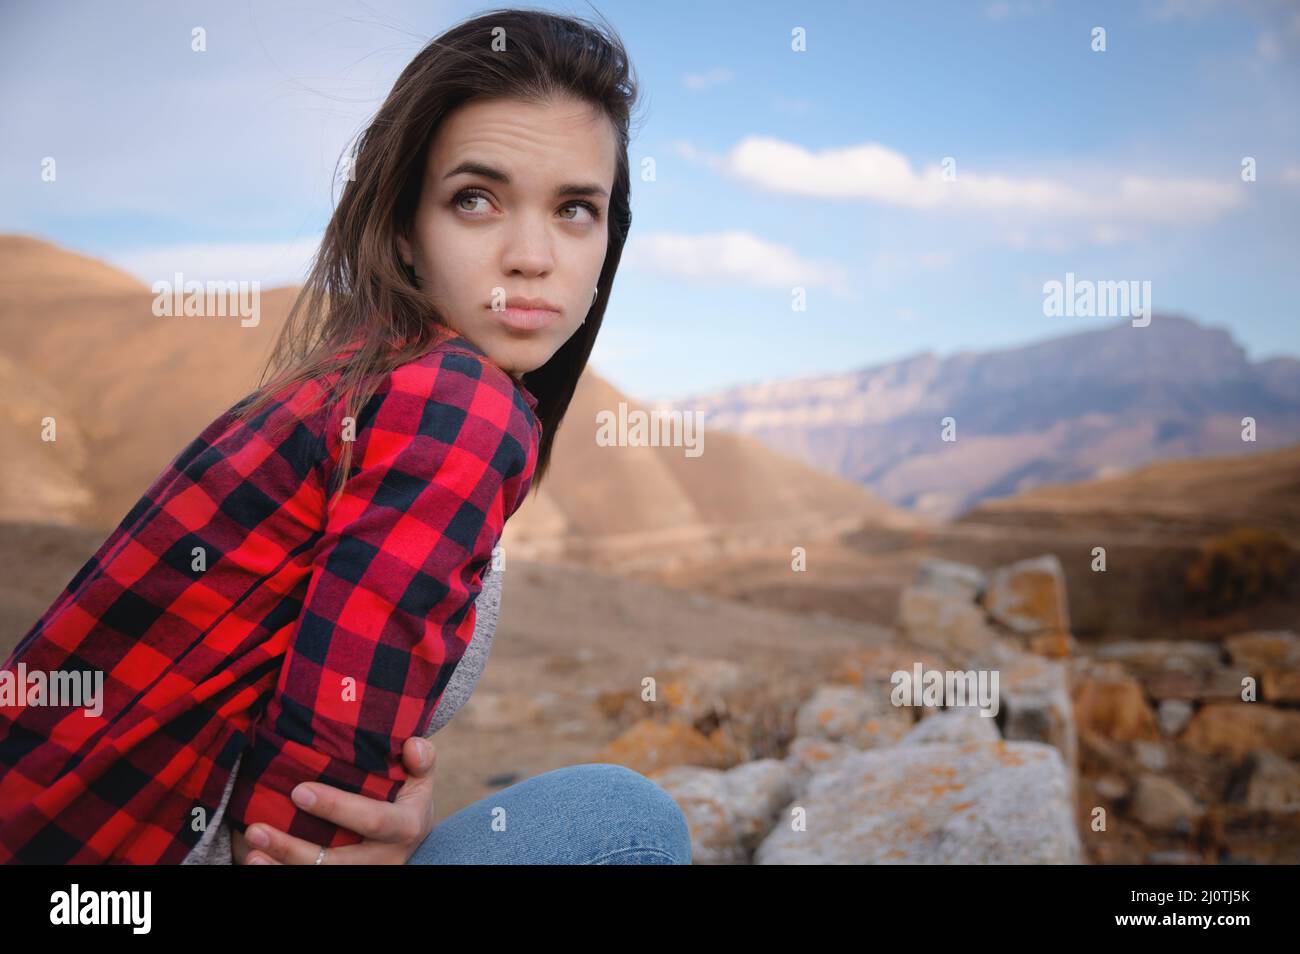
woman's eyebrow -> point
(489, 172)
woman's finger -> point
(400, 822)
(283, 848)
(371, 818)
(419, 756)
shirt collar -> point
(528, 395)
(461, 341)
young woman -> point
(284, 609)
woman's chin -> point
(517, 358)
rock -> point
(729, 812)
(757, 791)
(977, 803)
(1171, 669)
(873, 667)
(1052, 645)
(954, 726)
(1173, 715)
(1265, 649)
(855, 717)
(1266, 781)
(687, 689)
(944, 620)
(1156, 655)
(701, 794)
(808, 755)
(1215, 685)
(1029, 596)
(1035, 695)
(1112, 703)
(1280, 686)
(961, 577)
(1107, 755)
(1152, 756)
(1273, 657)
(1253, 836)
(1111, 787)
(1235, 728)
(1161, 805)
(649, 746)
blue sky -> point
(775, 168)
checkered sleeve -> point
(441, 459)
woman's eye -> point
(584, 206)
(462, 196)
(471, 195)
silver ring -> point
(321, 856)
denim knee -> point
(667, 835)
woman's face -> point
(514, 206)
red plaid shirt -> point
(315, 643)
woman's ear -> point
(404, 248)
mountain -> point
(647, 506)
(1184, 497)
(1067, 409)
(39, 476)
(134, 388)
(127, 390)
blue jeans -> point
(590, 814)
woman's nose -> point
(528, 247)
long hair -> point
(359, 291)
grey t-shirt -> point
(214, 848)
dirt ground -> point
(566, 633)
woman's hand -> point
(392, 832)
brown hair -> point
(358, 287)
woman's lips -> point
(525, 319)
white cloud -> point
(876, 173)
(897, 264)
(1048, 242)
(733, 256)
(708, 79)
(1281, 38)
(271, 263)
(687, 150)
(1104, 234)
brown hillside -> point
(1195, 496)
(132, 389)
